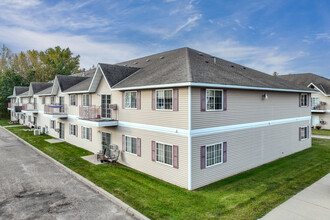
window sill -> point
(164, 163)
(220, 110)
(130, 153)
(214, 165)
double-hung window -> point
(86, 132)
(214, 100)
(304, 133)
(52, 124)
(131, 144)
(164, 153)
(303, 100)
(52, 100)
(85, 100)
(73, 129)
(43, 100)
(164, 99)
(214, 154)
(130, 99)
(72, 99)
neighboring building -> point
(320, 102)
(182, 116)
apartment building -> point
(182, 116)
(320, 101)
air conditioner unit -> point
(43, 130)
(57, 130)
(36, 132)
(114, 146)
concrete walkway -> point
(320, 136)
(311, 203)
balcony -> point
(98, 117)
(56, 110)
(30, 108)
(11, 105)
(319, 108)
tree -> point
(8, 80)
(62, 60)
(275, 74)
(6, 58)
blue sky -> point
(289, 36)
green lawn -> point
(248, 195)
(4, 122)
(321, 132)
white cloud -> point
(188, 24)
(325, 36)
(91, 52)
(268, 59)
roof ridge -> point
(189, 74)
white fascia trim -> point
(76, 92)
(212, 86)
(320, 111)
(317, 89)
(90, 85)
(229, 128)
(98, 124)
(168, 130)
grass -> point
(4, 122)
(321, 132)
(248, 195)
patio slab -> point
(53, 141)
(91, 159)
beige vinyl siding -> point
(247, 149)
(144, 163)
(245, 106)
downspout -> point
(189, 138)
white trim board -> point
(229, 128)
(212, 130)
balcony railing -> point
(29, 107)
(320, 106)
(97, 113)
(55, 109)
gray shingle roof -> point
(65, 82)
(116, 73)
(81, 86)
(305, 79)
(24, 94)
(188, 65)
(46, 91)
(20, 89)
(39, 86)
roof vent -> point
(200, 54)
(125, 65)
(214, 60)
(147, 60)
(162, 57)
(206, 61)
(232, 66)
(244, 68)
(136, 62)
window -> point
(29, 100)
(213, 99)
(86, 133)
(52, 100)
(29, 119)
(43, 100)
(72, 99)
(214, 154)
(130, 99)
(131, 145)
(164, 99)
(73, 129)
(303, 99)
(164, 153)
(52, 124)
(85, 100)
(304, 133)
